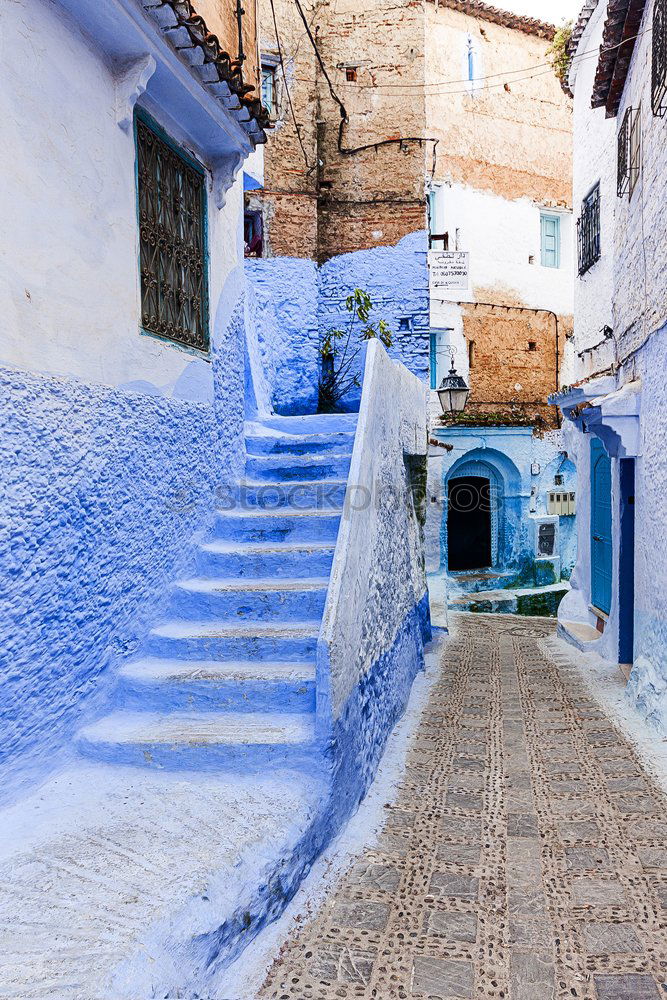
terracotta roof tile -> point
(486, 12)
(624, 18)
(188, 34)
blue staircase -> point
(227, 680)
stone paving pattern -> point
(524, 857)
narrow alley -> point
(524, 855)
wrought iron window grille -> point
(588, 231)
(172, 246)
(659, 60)
(629, 152)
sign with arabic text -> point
(448, 271)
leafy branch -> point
(340, 349)
(558, 52)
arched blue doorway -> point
(496, 484)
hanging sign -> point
(448, 271)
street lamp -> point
(453, 392)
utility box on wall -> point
(562, 503)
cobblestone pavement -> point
(525, 856)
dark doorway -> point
(469, 523)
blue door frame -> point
(601, 527)
(626, 562)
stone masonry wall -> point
(515, 141)
(513, 360)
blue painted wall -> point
(102, 491)
(283, 303)
(294, 303)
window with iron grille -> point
(588, 230)
(629, 152)
(659, 70)
(172, 248)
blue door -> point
(601, 540)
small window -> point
(351, 74)
(588, 230)
(550, 240)
(471, 353)
(269, 88)
(405, 323)
(471, 59)
(532, 345)
(629, 152)
(659, 59)
(172, 239)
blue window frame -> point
(269, 88)
(433, 361)
(550, 240)
(471, 59)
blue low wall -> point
(354, 751)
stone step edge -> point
(201, 729)
(154, 670)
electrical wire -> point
(309, 168)
(545, 66)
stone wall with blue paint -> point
(396, 278)
(282, 310)
(102, 491)
(293, 303)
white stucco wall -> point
(378, 576)
(594, 161)
(501, 236)
(69, 282)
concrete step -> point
(312, 423)
(268, 526)
(205, 741)
(265, 560)
(305, 495)
(272, 443)
(259, 641)
(260, 600)
(297, 468)
(214, 686)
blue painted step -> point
(229, 681)
(228, 686)
(258, 600)
(290, 444)
(267, 526)
(208, 640)
(301, 496)
(292, 468)
(262, 560)
(210, 741)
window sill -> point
(193, 351)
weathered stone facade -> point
(387, 117)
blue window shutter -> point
(433, 362)
(550, 240)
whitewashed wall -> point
(640, 263)
(501, 236)
(69, 281)
(594, 161)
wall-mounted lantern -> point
(454, 391)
